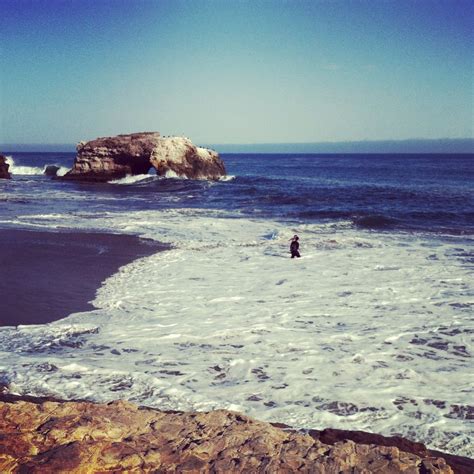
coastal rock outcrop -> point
(4, 174)
(110, 158)
(42, 435)
(51, 170)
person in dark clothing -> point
(295, 247)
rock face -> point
(4, 174)
(44, 436)
(51, 170)
(109, 158)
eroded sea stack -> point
(44, 436)
(109, 158)
(4, 174)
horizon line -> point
(387, 146)
(324, 142)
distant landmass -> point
(441, 145)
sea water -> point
(371, 329)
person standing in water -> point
(295, 247)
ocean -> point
(372, 329)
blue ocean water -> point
(424, 192)
(371, 329)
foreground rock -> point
(4, 174)
(110, 158)
(40, 436)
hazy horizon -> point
(236, 72)
(418, 145)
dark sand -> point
(45, 276)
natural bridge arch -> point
(104, 159)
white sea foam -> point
(62, 171)
(129, 179)
(367, 331)
(22, 170)
(145, 178)
(173, 174)
(228, 177)
(31, 170)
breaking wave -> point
(173, 175)
(147, 178)
(228, 177)
(357, 334)
(61, 171)
(136, 179)
(353, 335)
(22, 170)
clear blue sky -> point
(236, 71)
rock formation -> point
(41, 435)
(51, 170)
(109, 158)
(4, 174)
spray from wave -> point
(61, 171)
(170, 174)
(33, 170)
(228, 177)
(22, 170)
(147, 178)
(136, 179)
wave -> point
(375, 222)
(147, 178)
(22, 170)
(243, 302)
(170, 174)
(33, 170)
(324, 214)
(62, 171)
(55, 170)
(135, 179)
(229, 177)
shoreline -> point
(46, 276)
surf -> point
(292, 340)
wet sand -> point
(45, 276)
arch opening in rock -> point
(111, 158)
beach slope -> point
(45, 276)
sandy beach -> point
(45, 276)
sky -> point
(236, 71)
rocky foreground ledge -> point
(110, 158)
(39, 435)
